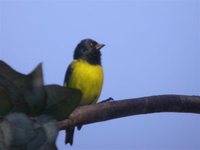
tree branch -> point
(122, 108)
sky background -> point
(152, 48)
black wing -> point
(68, 74)
(69, 131)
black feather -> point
(69, 135)
(69, 131)
(68, 74)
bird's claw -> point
(107, 100)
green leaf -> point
(33, 79)
(5, 102)
(61, 101)
(26, 92)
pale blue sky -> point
(152, 47)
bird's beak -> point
(99, 46)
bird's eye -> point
(91, 44)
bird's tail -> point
(69, 135)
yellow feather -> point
(88, 78)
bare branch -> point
(122, 108)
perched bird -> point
(86, 74)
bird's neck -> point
(92, 60)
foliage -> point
(29, 109)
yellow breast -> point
(88, 78)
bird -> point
(85, 73)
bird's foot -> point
(107, 100)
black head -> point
(89, 50)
